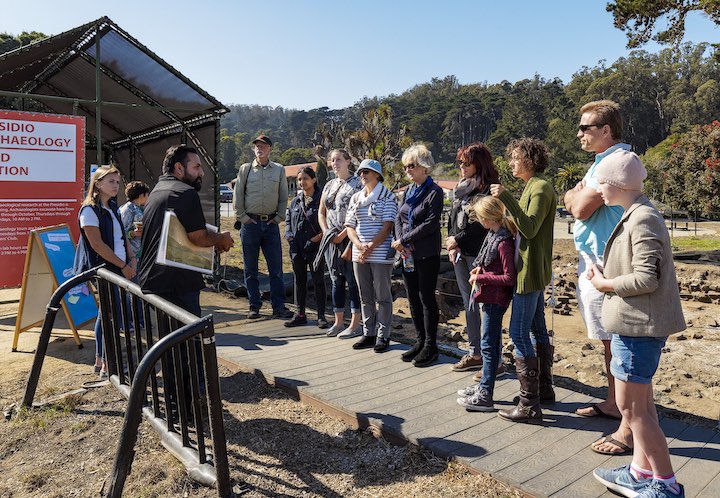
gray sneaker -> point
(349, 333)
(335, 329)
(620, 480)
(478, 402)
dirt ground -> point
(278, 446)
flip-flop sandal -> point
(597, 412)
(626, 450)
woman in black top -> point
(418, 240)
(303, 233)
(466, 235)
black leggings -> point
(300, 268)
(420, 285)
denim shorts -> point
(635, 359)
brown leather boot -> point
(528, 408)
(545, 354)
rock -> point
(697, 335)
(569, 365)
(558, 357)
(665, 350)
(587, 347)
(397, 326)
(687, 375)
(681, 337)
(455, 335)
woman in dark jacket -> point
(104, 238)
(418, 240)
(303, 234)
(466, 235)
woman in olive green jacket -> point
(534, 216)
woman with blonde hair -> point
(418, 240)
(493, 281)
(333, 209)
(103, 236)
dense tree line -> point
(661, 94)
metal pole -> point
(98, 96)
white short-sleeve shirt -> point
(88, 218)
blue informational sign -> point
(60, 250)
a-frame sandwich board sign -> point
(48, 263)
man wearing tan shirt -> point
(260, 202)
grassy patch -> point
(705, 243)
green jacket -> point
(534, 216)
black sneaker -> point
(411, 353)
(282, 313)
(426, 357)
(381, 345)
(254, 313)
(296, 321)
(367, 341)
(322, 323)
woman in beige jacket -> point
(641, 308)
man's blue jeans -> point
(491, 344)
(265, 236)
(527, 323)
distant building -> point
(448, 187)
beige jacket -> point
(638, 259)
(266, 191)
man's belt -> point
(262, 217)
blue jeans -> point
(527, 323)
(635, 359)
(491, 344)
(265, 236)
(338, 288)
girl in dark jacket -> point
(303, 233)
(418, 240)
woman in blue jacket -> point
(303, 233)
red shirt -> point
(497, 281)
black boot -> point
(545, 354)
(429, 353)
(411, 353)
(528, 408)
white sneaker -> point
(468, 391)
(349, 333)
(334, 330)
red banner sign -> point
(42, 180)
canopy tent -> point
(136, 105)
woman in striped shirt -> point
(369, 223)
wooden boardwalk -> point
(418, 405)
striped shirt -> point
(368, 222)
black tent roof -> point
(144, 103)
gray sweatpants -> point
(373, 281)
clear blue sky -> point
(305, 54)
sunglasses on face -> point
(584, 128)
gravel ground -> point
(277, 446)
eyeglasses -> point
(409, 166)
(584, 128)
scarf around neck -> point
(489, 250)
(415, 195)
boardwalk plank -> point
(419, 405)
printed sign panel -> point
(42, 165)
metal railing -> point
(174, 352)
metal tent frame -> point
(136, 105)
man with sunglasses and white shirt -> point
(599, 132)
